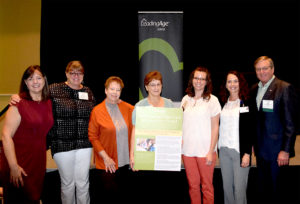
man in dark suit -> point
(275, 124)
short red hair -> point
(151, 76)
(115, 79)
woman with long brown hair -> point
(235, 145)
(200, 134)
(68, 138)
(24, 134)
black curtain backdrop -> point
(221, 35)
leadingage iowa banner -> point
(160, 48)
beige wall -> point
(20, 23)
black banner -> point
(160, 48)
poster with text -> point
(158, 138)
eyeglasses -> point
(76, 73)
(199, 79)
(154, 85)
(258, 69)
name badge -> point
(244, 109)
(83, 95)
(267, 105)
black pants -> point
(268, 180)
(13, 195)
(111, 187)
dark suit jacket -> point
(275, 130)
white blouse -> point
(196, 129)
(229, 125)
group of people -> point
(65, 118)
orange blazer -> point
(102, 132)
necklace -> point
(196, 98)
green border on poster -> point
(150, 122)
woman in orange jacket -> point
(109, 132)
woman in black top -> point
(70, 146)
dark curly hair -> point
(208, 88)
(243, 87)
